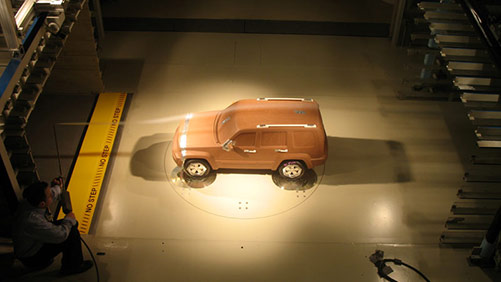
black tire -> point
(197, 168)
(291, 169)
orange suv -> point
(284, 134)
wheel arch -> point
(305, 159)
(197, 155)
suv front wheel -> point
(197, 168)
(291, 169)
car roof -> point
(249, 113)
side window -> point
(274, 138)
(246, 139)
(304, 139)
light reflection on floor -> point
(242, 195)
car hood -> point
(199, 129)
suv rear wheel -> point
(197, 168)
(291, 169)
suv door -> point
(273, 145)
(244, 153)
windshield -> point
(226, 125)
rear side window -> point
(246, 139)
(304, 139)
(274, 138)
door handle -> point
(281, 150)
(250, 151)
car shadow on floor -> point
(365, 161)
(148, 157)
(350, 161)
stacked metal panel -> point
(23, 85)
(433, 22)
(477, 79)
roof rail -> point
(286, 99)
(286, 125)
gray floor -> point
(391, 177)
(57, 130)
(393, 170)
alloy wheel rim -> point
(292, 171)
(196, 169)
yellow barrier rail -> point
(90, 167)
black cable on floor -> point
(399, 262)
(93, 259)
(383, 270)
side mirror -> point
(228, 145)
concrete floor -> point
(393, 170)
(391, 177)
